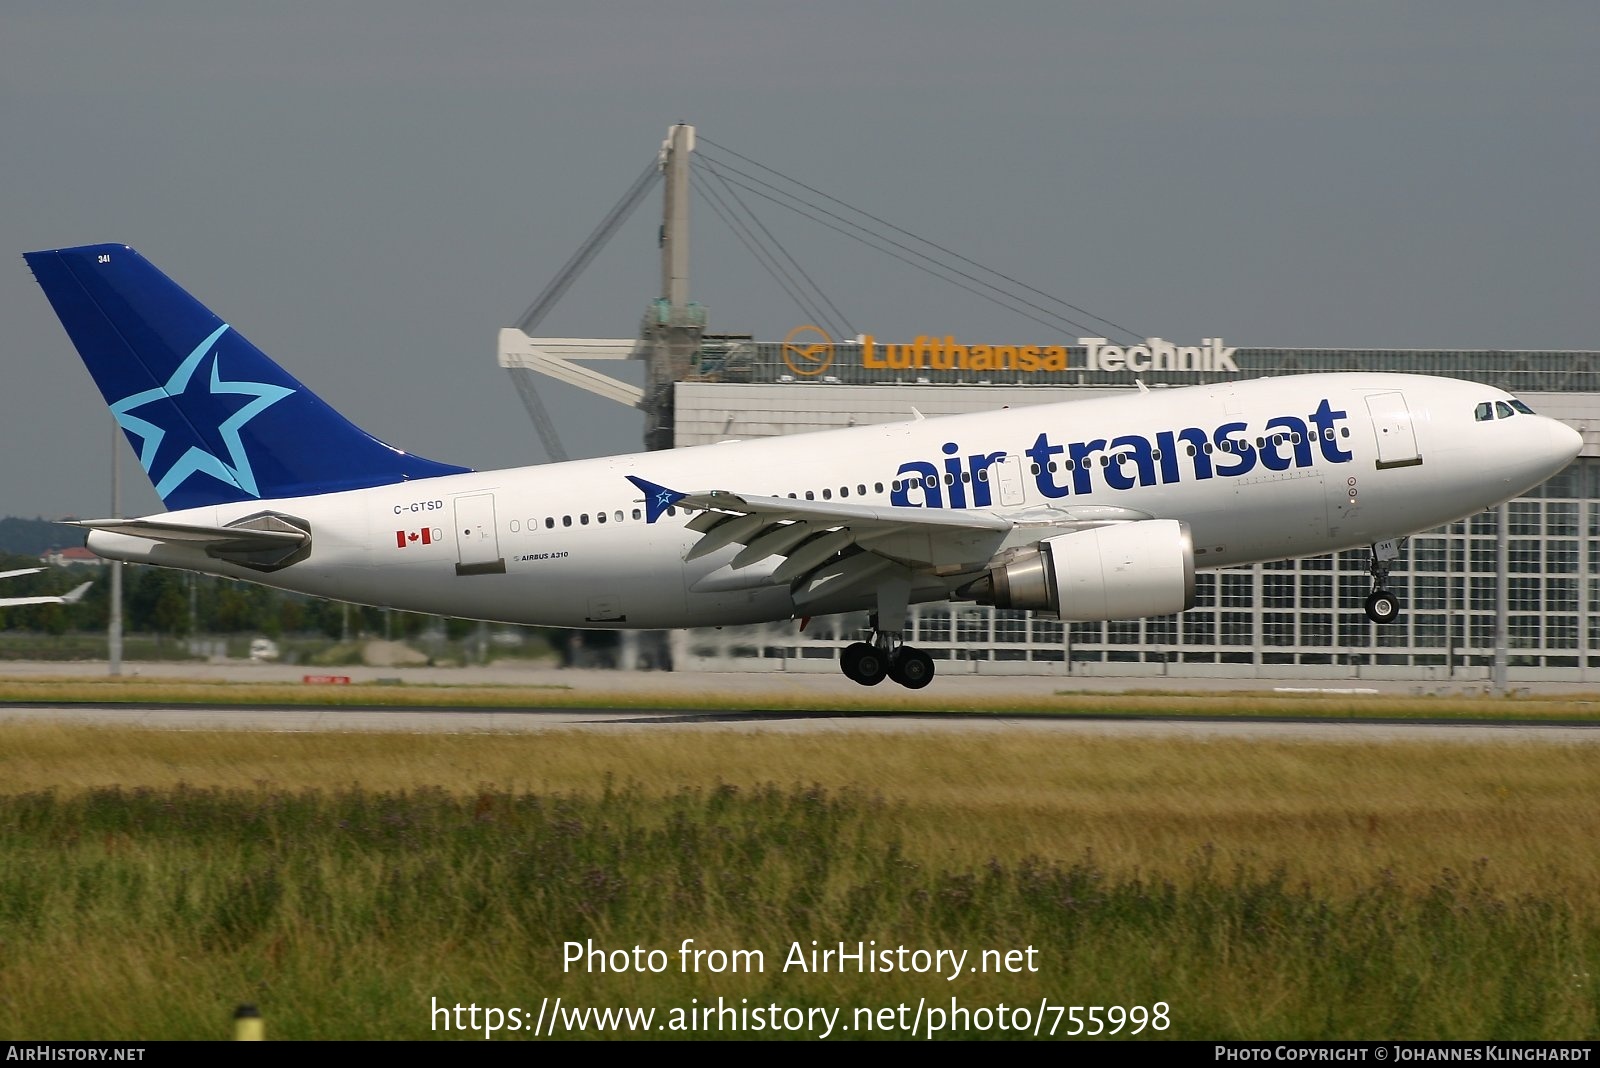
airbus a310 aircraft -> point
(1086, 510)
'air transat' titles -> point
(1121, 463)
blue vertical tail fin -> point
(211, 417)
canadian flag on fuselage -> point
(402, 538)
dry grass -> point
(1333, 814)
(152, 879)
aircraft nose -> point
(1565, 443)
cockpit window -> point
(1503, 410)
(1484, 412)
(1519, 406)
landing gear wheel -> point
(864, 663)
(1382, 606)
(911, 668)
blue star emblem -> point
(657, 499)
(235, 469)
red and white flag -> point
(402, 538)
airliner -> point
(1092, 509)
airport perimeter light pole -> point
(114, 628)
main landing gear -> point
(1382, 604)
(870, 661)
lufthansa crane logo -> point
(806, 357)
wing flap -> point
(838, 513)
(813, 535)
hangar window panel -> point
(1561, 631)
(1199, 628)
(1123, 632)
(1236, 629)
(1428, 554)
(972, 626)
(1010, 626)
(1431, 630)
(1428, 593)
(1278, 589)
(1560, 595)
(1567, 483)
(1561, 519)
(1238, 590)
(1277, 628)
(1316, 629)
(1162, 630)
(1088, 634)
(1524, 595)
(1355, 629)
(1046, 631)
(934, 626)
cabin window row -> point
(582, 519)
(827, 494)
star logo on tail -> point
(190, 412)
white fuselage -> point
(1334, 461)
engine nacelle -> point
(1122, 571)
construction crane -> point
(523, 373)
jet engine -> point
(1121, 571)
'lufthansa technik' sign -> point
(809, 351)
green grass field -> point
(154, 879)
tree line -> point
(160, 601)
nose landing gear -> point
(1382, 604)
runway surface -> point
(774, 702)
(442, 720)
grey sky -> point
(369, 191)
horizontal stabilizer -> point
(230, 539)
(266, 541)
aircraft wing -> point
(826, 545)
